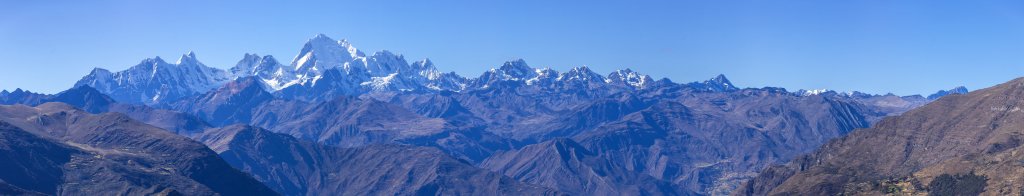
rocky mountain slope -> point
(343, 121)
(296, 167)
(967, 143)
(565, 165)
(55, 149)
(710, 142)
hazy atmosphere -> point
(552, 98)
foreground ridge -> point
(963, 144)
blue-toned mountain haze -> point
(517, 98)
(905, 47)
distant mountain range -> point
(295, 167)
(336, 121)
(326, 68)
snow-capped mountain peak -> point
(383, 83)
(629, 78)
(154, 80)
(423, 64)
(804, 92)
(513, 70)
(187, 58)
(426, 69)
(273, 74)
(321, 36)
(385, 62)
(352, 51)
(720, 79)
(718, 83)
(326, 68)
(155, 59)
(544, 76)
(321, 53)
(582, 73)
(150, 65)
(516, 70)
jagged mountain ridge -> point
(887, 103)
(324, 67)
(343, 121)
(154, 80)
(19, 96)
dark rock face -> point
(296, 167)
(56, 149)
(974, 134)
(718, 83)
(232, 103)
(85, 98)
(343, 121)
(565, 165)
(712, 142)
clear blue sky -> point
(876, 46)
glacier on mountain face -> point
(154, 80)
(328, 67)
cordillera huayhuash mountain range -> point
(335, 121)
